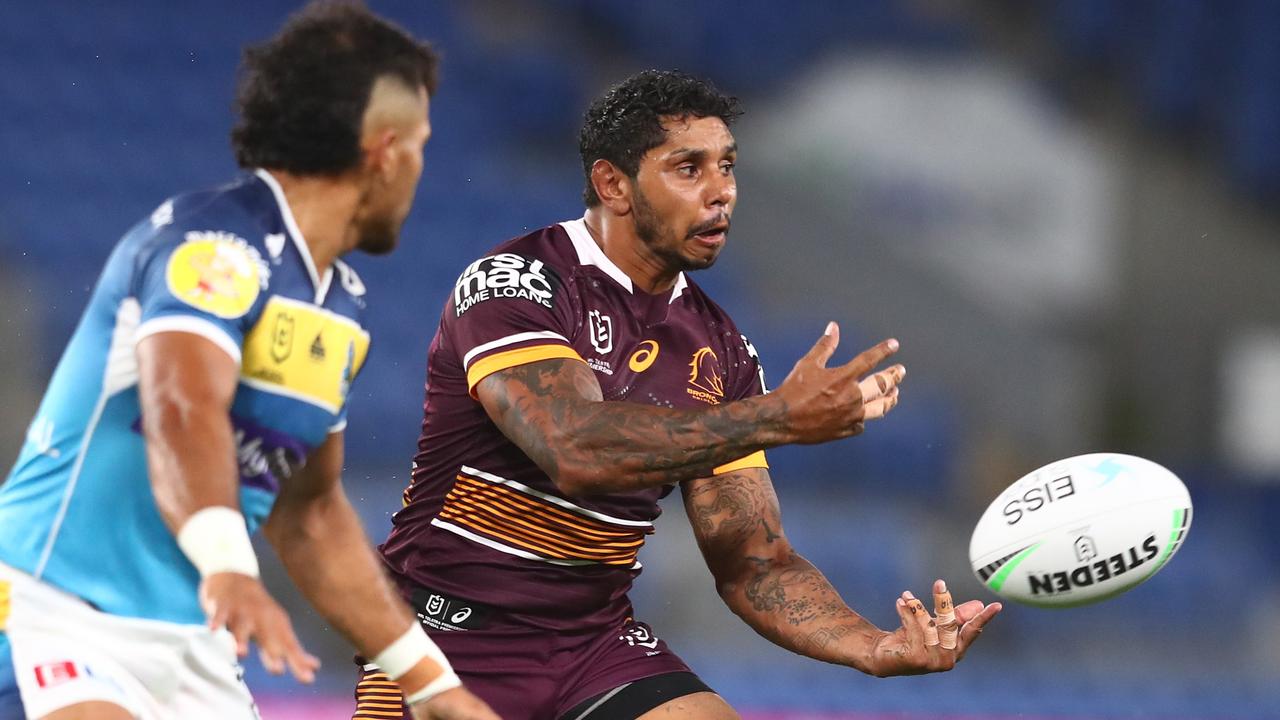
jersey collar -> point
(589, 253)
(319, 284)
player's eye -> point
(727, 167)
(688, 170)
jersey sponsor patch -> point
(302, 351)
(438, 611)
(506, 275)
(217, 272)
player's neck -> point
(616, 236)
(324, 209)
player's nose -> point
(721, 192)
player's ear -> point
(379, 157)
(612, 186)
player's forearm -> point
(616, 446)
(589, 446)
(791, 603)
(190, 458)
(327, 555)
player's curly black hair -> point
(302, 94)
(626, 122)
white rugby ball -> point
(1080, 530)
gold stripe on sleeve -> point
(754, 460)
(487, 366)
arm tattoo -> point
(776, 591)
(555, 412)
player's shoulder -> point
(234, 213)
(689, 295)
(713, 316)
(534, 266)
(550, 245)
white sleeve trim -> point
(193, 325)
(510, 340)
(338, 426)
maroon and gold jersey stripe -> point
(534, 525)
(754, 460)
(488, 365)
(378, 698)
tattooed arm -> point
(782, 596)
(555, 412)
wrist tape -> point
(405, 653)
(216, 540)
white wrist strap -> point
(402, 655)
(216, 540)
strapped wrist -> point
(410, 658)
(216, 540)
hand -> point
(242, 605)
(455, 704)
(829, 403)
(926, 644)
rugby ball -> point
(1080, 530)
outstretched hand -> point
(930, 643)
(242, 605)
(823, 404)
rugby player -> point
(578, 375)
(203, 395)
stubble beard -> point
(661, 239)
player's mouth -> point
(711, 234)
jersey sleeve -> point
(206, 283)
(747, 383)
(508, 309)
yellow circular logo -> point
(219, 276)
(642, 358)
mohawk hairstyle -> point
(302, 94)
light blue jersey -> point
(77, 511)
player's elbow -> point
(577, 479)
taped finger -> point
(948, 625)
(928, 626)
(880, 407)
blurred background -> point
(1066, 210)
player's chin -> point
(380, 238)
(700, 258)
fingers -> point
(279, 648)
(241, 605)
(881, 384)
(969, 610)
(880, 407)
(822, 350)
(948, 626)
(869, 359)
(922, 619)
(303, 665)
(973, 628)
(915, 635)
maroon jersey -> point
(481, 520)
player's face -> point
(391, 195)
(685, 192)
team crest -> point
(217, 272)
(705, 381)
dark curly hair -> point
(303, 93)
(626, 122)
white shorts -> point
(65, 652)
